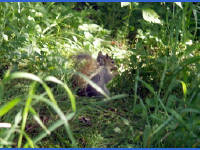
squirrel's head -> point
(107, 61)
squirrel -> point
(100, 71)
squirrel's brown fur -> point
(102, 68)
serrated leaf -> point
(151, 16)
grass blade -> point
(8, 106)
(162, 125)
(109, 99)
(29, 140)
(4, 142)
(69, 92)
(136, 87)
(25, 112)
(190, 110)
(145, 111)
(147, 136)
(18, 75)
(163, 77)
(184, 87)
(18, 118)
(190, 60)
(1, 90)
(180, 119)
(148, 86)
(38, 120)
(53, 127)
(94, 85)
(61, 115)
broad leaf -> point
(179, 4)
(123, 4)
(151, 16)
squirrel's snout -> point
(114, 71)
(114, 68)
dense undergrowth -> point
(155, 99)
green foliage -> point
(154, 100)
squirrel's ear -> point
(100, 53)
(100, 58)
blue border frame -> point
(107, 148)
(99, 0)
